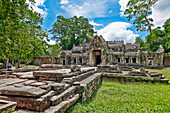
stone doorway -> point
(98, 59)
(64, 62)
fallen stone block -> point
(26, 91)
(7, 106)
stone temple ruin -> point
(54, 88)
(99, 51)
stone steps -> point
(63, 96)
(63, 106)
(83, 75)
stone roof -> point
(160, 50)
(77, 54)
(66, 52)
(77, 49)
(44, 56)
(113, 44)
(131, 53)
(117, 53)
(132, 46)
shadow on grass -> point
(88, 101)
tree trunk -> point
(28, 62)
(18, 63)
(52, 60)
(149, 24)
(6, 63)
(12, 61)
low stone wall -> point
(89, 85)
(167, 60)
(126, 79)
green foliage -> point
(21, 35)
(140, 10)
(53, 50)
(157, 37)
(69, 31)
(132, 97)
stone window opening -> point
(134, 60)
(80, 60)
(74, 61)
(118, 59)
(126, 60)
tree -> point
(140, 10)
(69, 31)
(143, 45)
(19, 30)
(54, 51)
(157, 37)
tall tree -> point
(19, 29)
(69, 31)
(140, 10)
(53, 50)
(158, 37)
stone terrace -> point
(55, 90)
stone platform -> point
(54, 91)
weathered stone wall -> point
(127, 79)
(167, 60)
(90, 85)
(39, 61)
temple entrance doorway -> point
(98, 59)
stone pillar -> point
(137, 61)
(77, 60)
(66, 60)
(131, 60)
(83, 60)
(123, 59)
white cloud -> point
(118, 31)
(95, 24)
(87, 8)
(36, 8)
(51, 42)
(123, 4)
(160, 11)
(64, 2)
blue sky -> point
(105, 15)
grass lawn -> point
(165, 72)
(23, 66)
(131, 97)
(29, 67)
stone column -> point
(77, 59)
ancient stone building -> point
(99, 51)
(44, 59)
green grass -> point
(133, 97)
(29, 67)
(23, 66)
(165, 72)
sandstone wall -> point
(167, 60)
